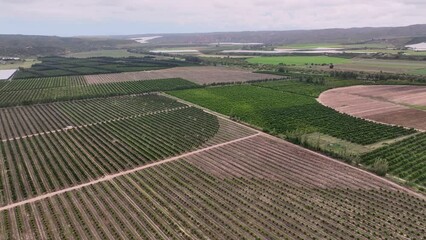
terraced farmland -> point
(406, 159)
(257, 188)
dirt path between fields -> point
(113, 176)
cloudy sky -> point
(107, 17)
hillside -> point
(336, 35)
(23, 46)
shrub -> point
(380, 166)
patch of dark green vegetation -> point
(60, 66)
(282, 113)
(75, 91)
(406, 159)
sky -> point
(122, 17)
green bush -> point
(380, 167)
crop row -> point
(40, 83)
(74, 92)
(57, 66)
(198, 198)
(283, 112)
(406, 159)
(27, 120)
(44, 163)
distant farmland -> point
(298, 60)
(199, 75)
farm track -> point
(112, 176)
(94, 124)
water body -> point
(278, 50)
(175, 51)
(418, 46)
(235, 44)
(144, 39)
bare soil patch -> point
(200, 75)
(386, 104)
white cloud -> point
(221, 15)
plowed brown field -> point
(200, 75)
(387, 104)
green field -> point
(61, 66)
(406, 159)
(309, 89)
(298, 60)
(282, 112)
(419, 71)
(117, 53)
(42, 90)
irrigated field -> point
(100, 144)
(41, 90)
(406, 159)
(146, 166)
(58, 66)
(388, 104)
(282, 112)
(200, 75)
(252, 188)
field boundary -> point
(370, 120)
(396, 185)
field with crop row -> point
(35, 165)
(59, 66)
(257, 188)
(283, 112)
(26, 120)
(41, 83)
(199, 75)
(24, 92)
(406, 159)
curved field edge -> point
(396, 105)
(233, 192)
(280, 112)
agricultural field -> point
(252, 188)
(377, 65)
(282, 112)
(42, 90)
(306, 88)
(398, 105)
(59, 66)
(110, 156)
(298, 60)
(199, 75)
(406, 159)
(74, 142)
(117, 53)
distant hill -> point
(24, 45)
(336, 35)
